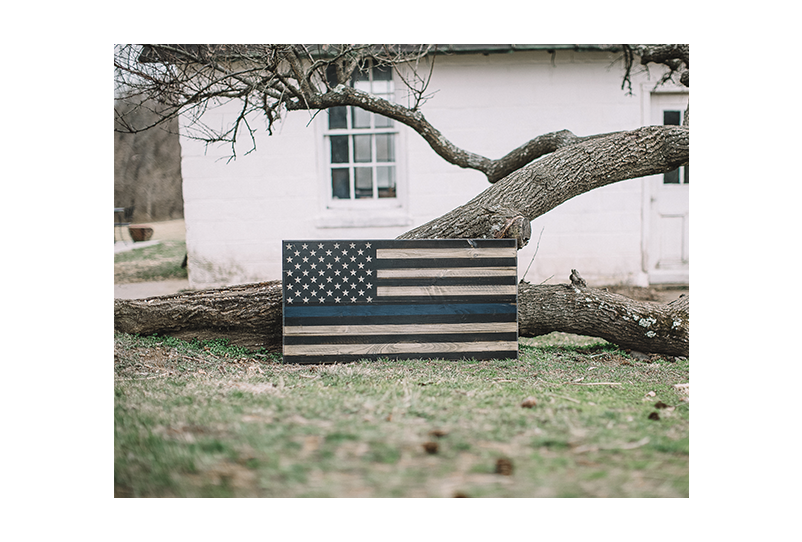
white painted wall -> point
(237, 213)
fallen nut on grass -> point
(529, 402)
(430, 447)
(504, 466)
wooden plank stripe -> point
(441, 243)
(472, 253)
(401, 319)
(425, 263)
(448, 281)
(495, 354)
(395, 329)
(398, 310)
(397, 348)
(508, 289)
(449, 272)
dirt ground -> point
(175, 230)
(171, 230)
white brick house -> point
(349, 174)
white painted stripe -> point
(402, 329)
(434, 291)
(447, 272)
(396, 348)
(434, 253)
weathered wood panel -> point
(343, 300)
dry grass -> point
(204, 419)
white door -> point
(667, 251)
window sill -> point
(341, 218)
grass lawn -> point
(151, 263)
(202, 419)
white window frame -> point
(362, 212)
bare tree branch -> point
(270, 79)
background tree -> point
(272, 80)
(147, 164)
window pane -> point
(385, 149)
(382, 122)
(339, 149)
(364, 86)
(383, 88)
(382, 73)
(687, 179)
(363, 182)
(340, 183)
(331, 75)
(385, 181)
(360, 118)
(361, 80)
(338, 117)
(671, 118)
(362, 148)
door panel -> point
(667, 252)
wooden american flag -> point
(399, 299)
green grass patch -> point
(152, 263)
(206, 419)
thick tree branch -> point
(495, 170)
(540, 186)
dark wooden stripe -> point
(402, 319)
(501, 354)
(416, 338)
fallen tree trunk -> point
(250, 315)
(637, 325)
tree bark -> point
(250, 316)
(637, 325)
(546, 183)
